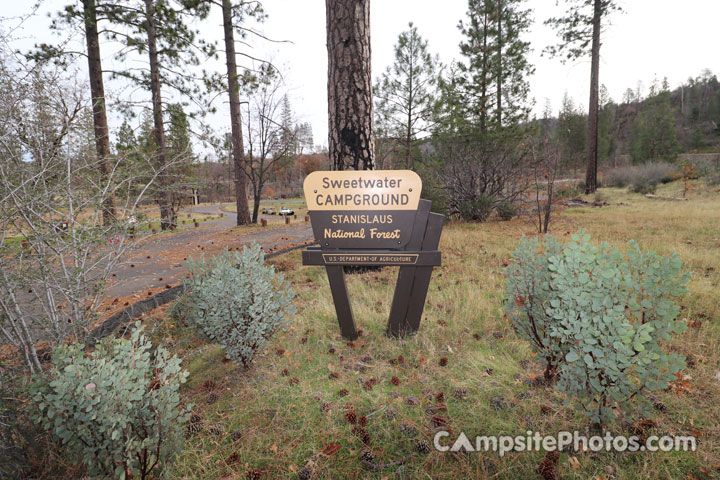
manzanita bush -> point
(237, 301)
(117, 409)
(529, 285)
(599, 317)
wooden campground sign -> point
(374, 218)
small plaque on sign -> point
(368, 218)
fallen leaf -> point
(331, 449)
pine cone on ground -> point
(547, 469)
(422, 446)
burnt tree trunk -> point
(97, 91)
(168, 217)
(351, 141)
(592, 151)
(256, 204)
(238, 150)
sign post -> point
(369, 218)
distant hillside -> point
(695, 107)
(660, 125)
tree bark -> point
(484, 80)
(592, 153)
(256, 204)
(238, 150)
(351, 136)
(411, 101)
(408, 130)
(499, 62)
(168, 217)
(97, 91)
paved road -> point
(230, 218)
(161, 260)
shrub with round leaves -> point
(608, 314)
(529, 285)
(116, 409)
(236, 301)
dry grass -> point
(279, 416)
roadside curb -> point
(124, 317)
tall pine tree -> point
(579, 32)
(404, 93)
(494, 75)
(160, 30)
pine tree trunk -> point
(484, 77)
(351, 136)
(168, 217)
(408, 127)
(499, 62)
(592, 153)
(238, 153)
(97, 91)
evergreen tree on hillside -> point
(653, 135)
(607, 142)
(571, 134)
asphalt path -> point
(160, 261)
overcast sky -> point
(662, 38)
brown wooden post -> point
(403, 288)
(422, 274)
(343, 309)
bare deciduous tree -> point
(545, 165)
(266, 137)
(55, 252)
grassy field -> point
(288, 412)
(296, 204)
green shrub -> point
(643, 186)
(237, 301)
(478, 209)
(671, 177)
(529, 285)
(707, 165)
(117, 409)
(506, 210)
(713, 178)
(608, 313)
(642, 176)
(567, 191)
